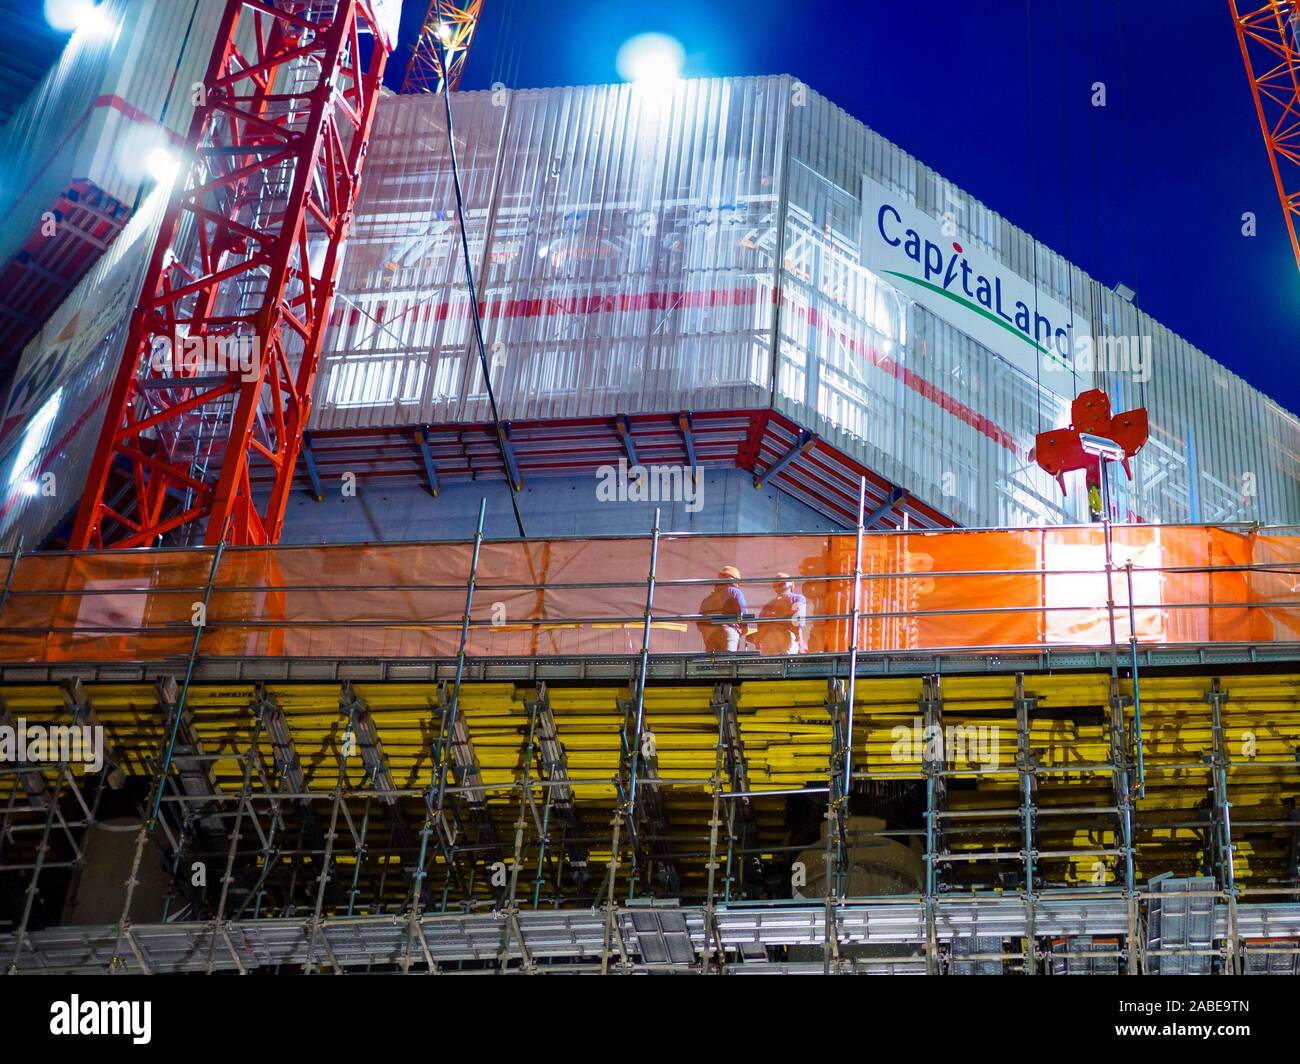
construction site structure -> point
(1045, 751)
(715, 342)
(695, 281)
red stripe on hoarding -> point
(574, 306)
(625, 303)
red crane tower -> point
(1269, 35)
(448, 30)
(245, 264)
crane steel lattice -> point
(223, 346)
(448, 28)
(1270, 46)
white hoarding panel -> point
(734, 245)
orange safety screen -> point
(946, 590)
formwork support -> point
(1026, 766)
(435, 820)
(351, 707)
(625, 811)
(553, 771)
(841, 696)
(150, 823)
(649, 835)
(469, 789)
(836, 816)
(509, 909)
(1223, 849)
(285, 776)
(931, 707)
(1293, 861)
(1136, 680)
(721, 699)
(1122, 787)
(742, 825)
(28, 777)
(78, 710)
(379, 785)
(242, 809)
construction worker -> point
(1094, 497)
(781, 620)
(722, 626)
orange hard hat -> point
(730, 572)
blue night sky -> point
(996, 96)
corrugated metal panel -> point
(625, 251)
(40, 141)
(840, 149)
(55, 408)
(872, 370)
(104, 297)
(58, 440)
(154, 75)
(642, 237)
(395, 351)
(1219, 450)
(95, 115)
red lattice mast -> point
(1270, 47)
(448, 30)
(246, 261)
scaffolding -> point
(1136, 811)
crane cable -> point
(502, 444)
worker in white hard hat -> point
(781, 620)
(722, 626)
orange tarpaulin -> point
(919, 591)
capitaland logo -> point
(77, 1017)
(949, 273)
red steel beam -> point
(1269, 35)
(241, 280)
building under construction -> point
(398, 646)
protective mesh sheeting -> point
(919, 591)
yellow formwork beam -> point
(786, 731)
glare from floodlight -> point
(163, 165)
(1100, 446)
(654, 60)
(24, 475)
(78, 16)
(444, 32)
